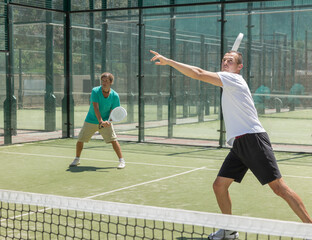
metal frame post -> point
(104, 36)
(249, 42)
(185, 81)
(202, 85)
(20, 80)
(68, 101)
(159, 93)
(9, 104)
(92, 44)
(292, 42)
(49, 98)
(172, 88)
(222, 52)
(130, 95)
(262, 44)
(141, 73)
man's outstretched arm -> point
(188, 70)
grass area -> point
(290, 131)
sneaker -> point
(121, 165)
(75, 163)
(222, 234)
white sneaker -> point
(121, 165)
(75, 163)
(222, 234)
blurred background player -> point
(103, 100)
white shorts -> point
(88, 130)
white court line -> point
(144, 183)
(101, 160)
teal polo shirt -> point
(105, 104)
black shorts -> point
(254, 152)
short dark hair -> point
(239, 58)
(108, 75)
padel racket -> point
(117, 114)
(237, 42)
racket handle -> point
(101, 126)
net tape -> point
(204, 219)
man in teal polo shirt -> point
(103, 100)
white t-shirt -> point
(239, 112)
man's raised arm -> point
(188, 70)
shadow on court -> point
(88, 169)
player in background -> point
(103, 100)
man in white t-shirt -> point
(251, 147)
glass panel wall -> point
(106, 42)
(181, 107)
(37, 45)
(276, 66)
(163, 105)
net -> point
(38, 216)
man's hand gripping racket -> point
(117, 114)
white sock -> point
(77, 158)
(121, 160)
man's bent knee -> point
(221, 184)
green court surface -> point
(156, 175)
